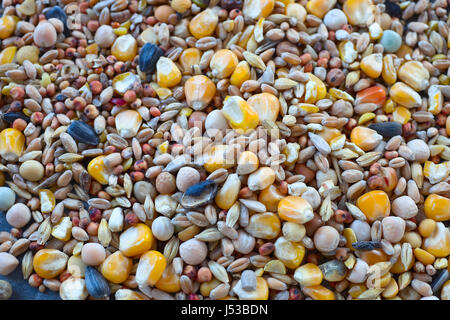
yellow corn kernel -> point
(49, 263)
(374, 256)
(163, 93)
(120, 31)
(374, 204)
(266, 105)
(240, 74)
(290, 253)
(356, 289)
(399, 267)
(328, 134)
(306, 108)
(128, 123)
(189, 58)
(435, 100)
(264, 225)
(203, 24)
(438, 243)
(426, 227)
(436, 173)
(445, 291)
(223, 63)
(216, 158)
(311, 92)
(167, 73)
(405, 95)
(359, 12)
(228, 194)
(169, 281)
(295, 209)
(98, 170)
(240, 114)
(372, 65)
(270, 197)
(116, 267)
(320, 87)
(256, 9)
(366, 117)
(92, 48)
(7, 26)
(391, 289)
(423, 256)
(207, 287)
(127, 294)
(414, 74)
(365, 138)
(124, 48)
(347, 51)
(47, 200)
(339, 94)
(401, 114)
(150, 268)
(199, 91)
(350, 236)
(320, 7)
(163, 147)
(389, 106)
(12, 143)
(245, 36)
(375, 31)
(7, 55)
(319, 293)
(389, 73)
(63, 230)
(308, 275)
(123, 82)
(437, 207)
(260, 293)
(297, 11)
(247, 163)
(136, 240)
(291, 152)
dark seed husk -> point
(197, 189)
(58, 13)
(82, 132)
(366, 245)
(199, 194)
(387, 129)
(149, 56)
(333, 270)
(393, 9)
(10, 117)
(96, 285)
(439, 280)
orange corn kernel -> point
(189, 58)
(125, 48)
(320, 7)
(216, 158)
(117, 267)
(49, 263)
(374, 256)
(389, 73)
(438, 243)
(169, 281)
(319, 293)
(151, 267)
(295, 209)
(199, 91)
(365, 138)
(290, 253)
(374, 204)
(399, 267)
(256, 9)
(328, 134)
(401, 114)
(240, 114)
(223, 63)
(424, 256)
(308, 275)
(12, 143)
(266, 105)
(375, 94)
(270, 197)
(372, 65)
(136, 240)
(240, 74)
(98, 170)
(203, 24)
(437, 207)
(359, 12)
(264, 225)
(167, 73)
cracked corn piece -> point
(435, 100)
(151, 267)
(405, 95)
(320, 7)
(372, 65)
(167, 73)
(199, 91)
(295, 209)
(203, 24)
(63, 230)
(437, 207)
(128, 123)
(12, 143)
(414, 74)
(49, 263)
(223, 63)
(7, 55)
(125, 48)
(116, 267)
(256, 9)
(266, 105)
(136, 240)
(47, 200)
(123, 82)
(436, 172)
(401, 114)
(359, 12)
(315, 89)
(98, 170)
(240, 114)
(127, 294)
(365, 138)
(374, 204)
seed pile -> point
(228, 149)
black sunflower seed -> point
(387, 129)
(10, 117)
(82, 132)
(198, 188)
(366, 245)
(96, 284)
(149, 56)
(58, 13)
(393, 9)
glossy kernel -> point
(117, 267)
(7, 55)
(423, 256)
(389, 73)
(228, 194)
(295, 209)
(414, 74)
(203, 24)
(216, 158)
(405, 95)
(256, 9)
(199, 91)
(123, 82)
(63, 230)
(128, 123)
(189, 58)
(167, 73)
(374, 204)
(264, 225)
(98, 170)
(320, 7)
(437, 207)
(240, 74)
(438, 243)
(290, 253)
(223, 63)
(270, 197)
(401, 115)
(124, 48)
(47, 200)
(7, 26)
(319, 293)
(359, 12)
(136, 240)
(151, 267)
(372, 65)
(365, 138)
(240, 114)
(260, 293)
(375, 94)
(169, 281)
(266, 105)
(49, 263)
(308, 275)
(12, 143)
